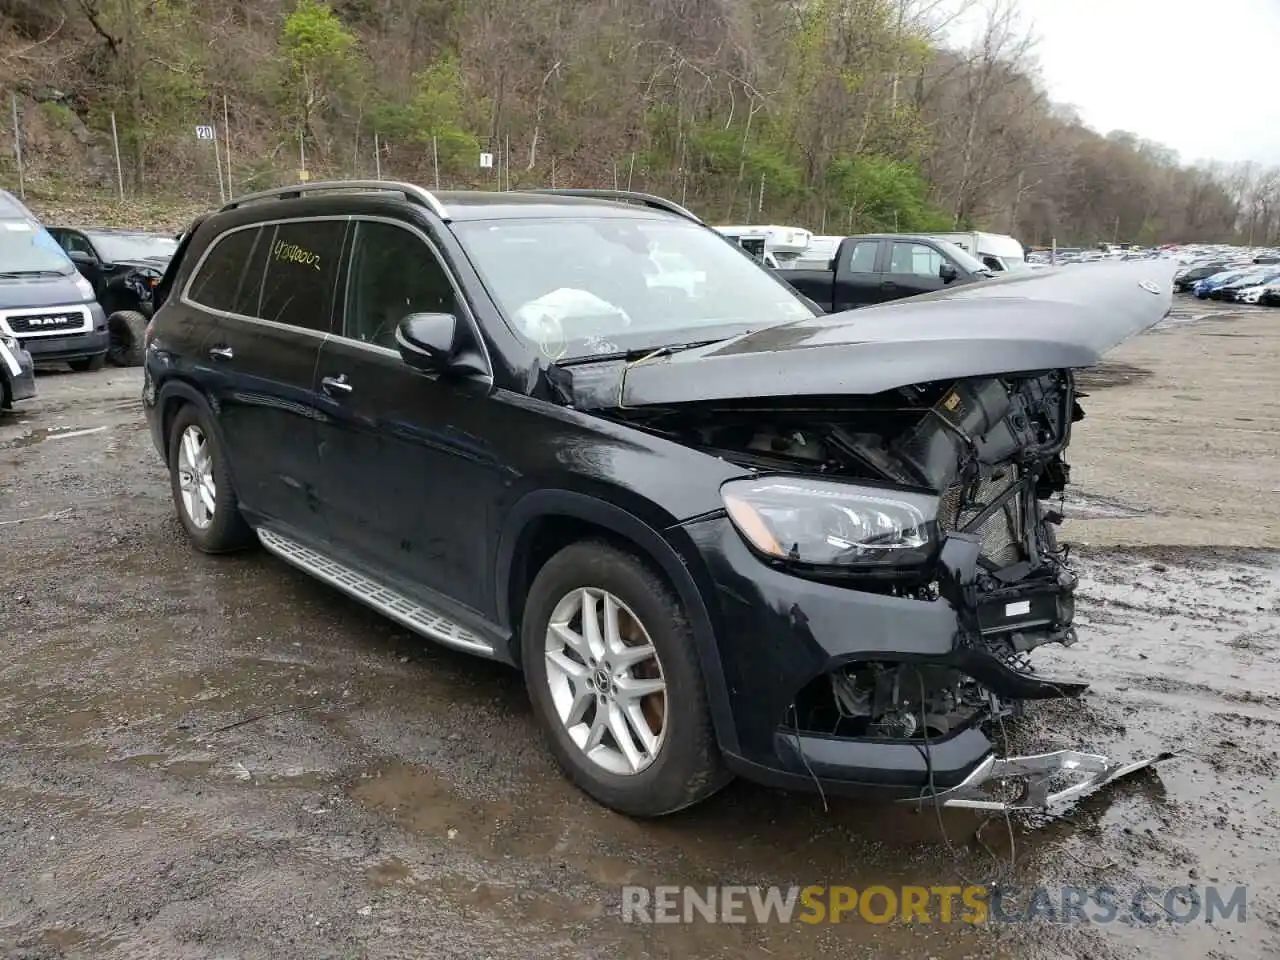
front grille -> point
(47, 322)
(1002, 532)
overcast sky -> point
(1200, 76)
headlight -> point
(84, 286)
(823, 523)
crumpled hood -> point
(1051, 319)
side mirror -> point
(79, 257)
(947, 272)
(427, 341)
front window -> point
(592, 286)
(962, 258)
(134, 246)
(29, 248)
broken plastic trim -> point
(1038, 769)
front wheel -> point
(612, 671)
(127, 330)
(201, 486)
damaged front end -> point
(958, 497)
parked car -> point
(17, 373)
(44, 303)
(720, 532)
(124, 267)
(875, 268)
(1252, 278)
(1202, 288)
(1265, 294)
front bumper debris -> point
(1038, 771)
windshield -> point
(586, 287)
(133, 246)
(963, 258)
(26, 247)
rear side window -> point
(217, 283)
(303, 262)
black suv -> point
(124, 268)
(582, 433)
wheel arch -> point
(544, 521)
(173, 395)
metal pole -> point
(553, 173)
(217, 162)
(226, 133)
(760, 202)
(115, 141)
(615, 174)
(17, 147)
(377, 157)
(302, 154)
(435, 159)
(631, 170)
(506, 155)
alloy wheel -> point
(195, 477)
(606, 681)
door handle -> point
(335, 385)
(221, 353)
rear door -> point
(856, 281)
(914, 267)
(262, 361)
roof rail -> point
(624, 196)
(411, 191)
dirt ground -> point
(220, 758)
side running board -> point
(390, 603)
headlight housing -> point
(823, 523)
(84, 287)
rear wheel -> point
(83, 364)
(125, 330)
(612, 671)
(201, 486)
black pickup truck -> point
(874, 268)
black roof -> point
(504, 205)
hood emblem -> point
(1149, 286)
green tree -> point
(322, 57)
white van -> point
(998, 253)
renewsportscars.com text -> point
(933, 904)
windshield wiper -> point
(650, 353)
(12, 274)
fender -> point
(541, 504)
(175, 388)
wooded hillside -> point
(838, 115)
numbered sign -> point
(486, 161)
(204, 133)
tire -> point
(85, 364)
(684, 765)
(126, 329)
(222, 529)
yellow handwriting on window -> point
(292, 253)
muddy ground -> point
(220, 758)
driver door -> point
(406, 480)
(914, 268)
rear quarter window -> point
(219, 280)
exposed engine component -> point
(896, 701)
